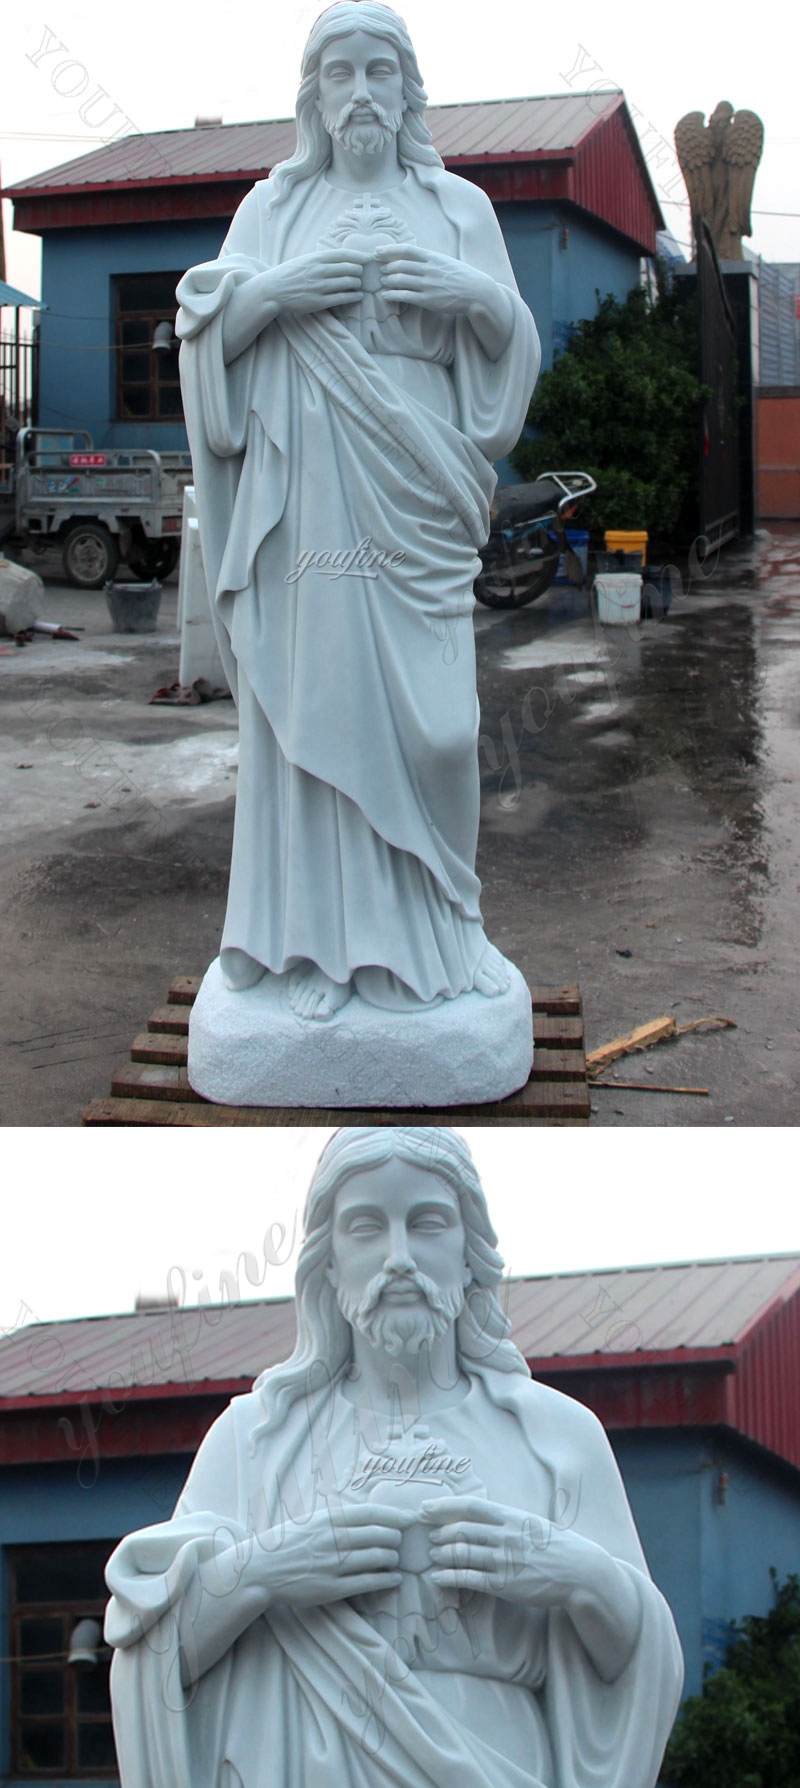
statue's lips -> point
(401, 1294)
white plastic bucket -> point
(618, 595)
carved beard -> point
(367, 138)
(400, 1328)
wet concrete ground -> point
(640, 835)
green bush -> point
(743, 1731)
(623, 403)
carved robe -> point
(358, 796)
(479, 1693)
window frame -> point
(71, 1719)
(155, 382)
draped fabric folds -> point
(311, 443)
(313, 1697)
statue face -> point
(361, 91)
(397, 1252)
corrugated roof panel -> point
(705, 1304)
(551, 124)
(14, 298)
(610, 180)
(697, 1304)
(767, 1404)
(164, 1347)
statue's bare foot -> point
(312, 993)
(492, 974)
(240, 970)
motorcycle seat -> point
(515, 504)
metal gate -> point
(719, 468)
(19, 367)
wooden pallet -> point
(153, 1087)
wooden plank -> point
(563, 1104)
(559, 1064)
(170, 1112)
(152, 1080)
(564, 1001)
(184, 990)
(174, 1020)
(158, 1046)
(557, 1033)
(554, 1032)
(156, 1077)
(153, 1088)
(543, 1100)
(558, 1002)
(643, 1037)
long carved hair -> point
(324, 1342)
(313, 152)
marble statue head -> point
(313, 152)
(324, 1337)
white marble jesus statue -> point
(398, 1562)
(352, 364)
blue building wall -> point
(710, 1549)
(661, 1478)
(77, 367)
(755, 1527)
(558, 274)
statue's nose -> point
(399, 1259)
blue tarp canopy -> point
(10, 295)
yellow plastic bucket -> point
(620, 541)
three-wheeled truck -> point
(99, 505)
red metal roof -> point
(701, 1342)
(504, 127)
(577, 147)
(707, 1310)
(702, 1306)
(147, 1350)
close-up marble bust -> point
(398, 1559)
(352, 365)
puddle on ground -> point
(566, 649)
(677, 708)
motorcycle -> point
(528, 537)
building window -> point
(148, 383)
(60, 1710)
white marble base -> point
(250, 1048)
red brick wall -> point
(779, 453)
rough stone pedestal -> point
(250, 1048)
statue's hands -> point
(335, 1555)
(318, 281)
(414, 275)
(505, 1552)
(523, 1558)
(312, 282)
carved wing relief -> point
(695, 152)
(718, 161)
(744, 142)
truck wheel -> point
(90, 555)
(157, 559)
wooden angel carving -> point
(718, 161)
